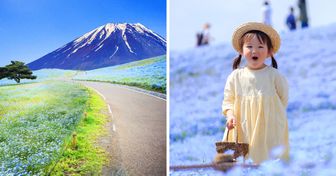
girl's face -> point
(255, 53)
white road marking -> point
(114, 129)
(110, 111)
(109, 108)
(99, 93)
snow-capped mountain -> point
(107, 45)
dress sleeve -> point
(281, 87)
(229, 95)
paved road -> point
(137, 140)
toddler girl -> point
(256, 95)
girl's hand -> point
(231, 122)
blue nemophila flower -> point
(33, 129)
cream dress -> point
(258, 99)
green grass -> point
(36, 124)
(35, 121)
(86, 158)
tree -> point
(16, 70)
(3, 72)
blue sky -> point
(29, 29)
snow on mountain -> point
(107, 45)
(307, 58)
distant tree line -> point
(16, 70)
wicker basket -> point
(240, 149)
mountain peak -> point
(123, 26)
(106, 45)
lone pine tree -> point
(16, 70)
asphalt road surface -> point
(137, 131)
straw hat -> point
(244, 28)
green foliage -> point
(87, 158)
(16, 70)
(3, 72)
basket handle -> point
(227, 135)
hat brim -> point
(244, 28)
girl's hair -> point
(262, 37)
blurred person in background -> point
(204, 37)
(267, 13)
(303, 13)
(291, 21)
